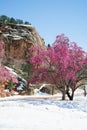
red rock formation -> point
(17, 39)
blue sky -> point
(51, 17)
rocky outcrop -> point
(49, 89)
(18, 38)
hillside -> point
(18, 38)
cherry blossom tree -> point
(61, 65)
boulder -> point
(49, 89)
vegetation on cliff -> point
(6, 20)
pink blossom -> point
(14, 79)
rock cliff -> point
(18, 38)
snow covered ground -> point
(43, 114)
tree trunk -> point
(52, 90)
(84, 90)
(63, 95)
(70, 96)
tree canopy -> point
(6, 20)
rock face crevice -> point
(18, 38)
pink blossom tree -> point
(61, 65)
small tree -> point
(4, 19)
(19, 21)
(12, 20)
(12, 80)
(28, 23)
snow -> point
(43, 114)
(38, 92)
(15, 37)
(20, 87)
(12, 72)
(25, 25)
(6, 35)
